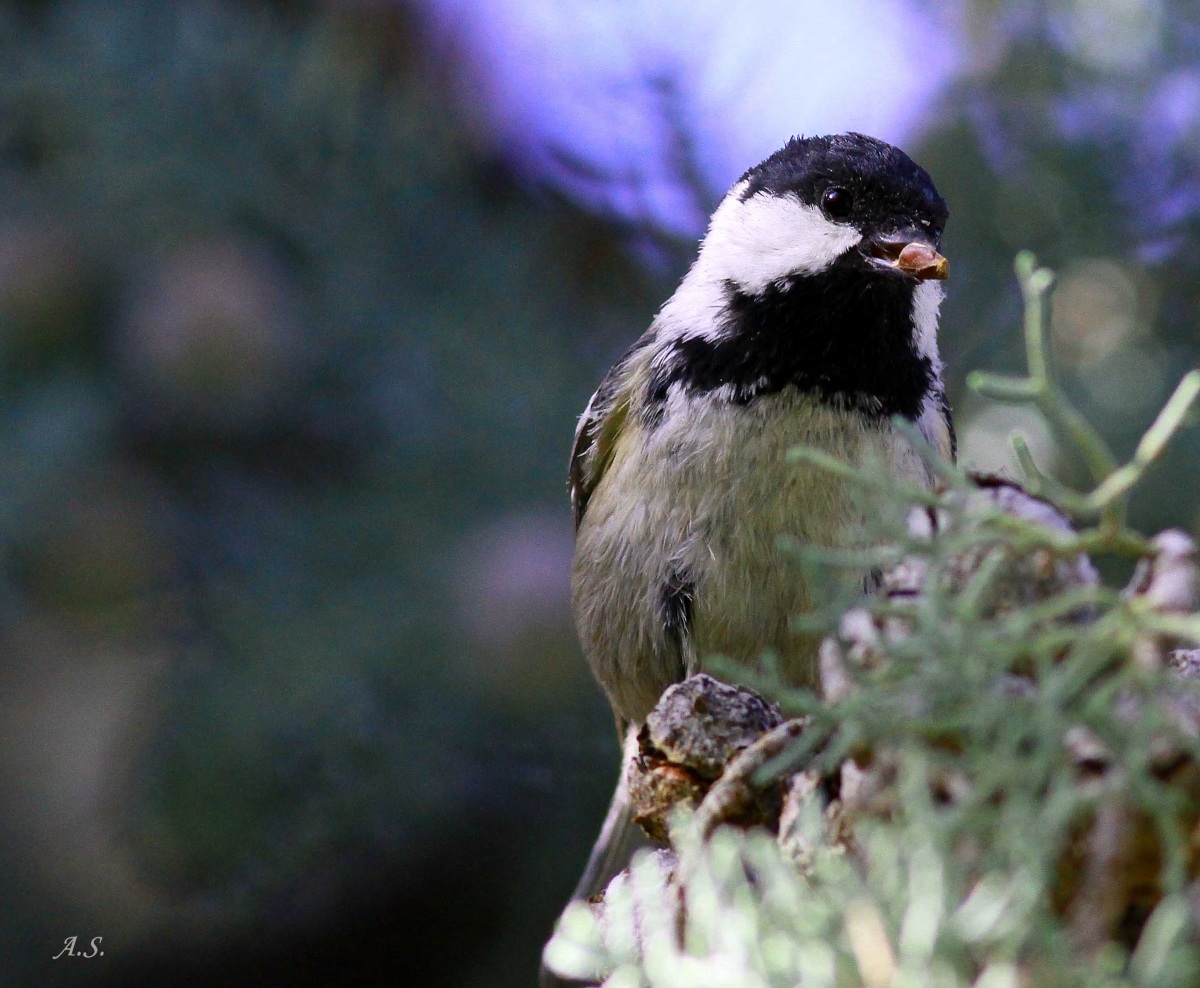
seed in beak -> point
(923, 262)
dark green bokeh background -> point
(289, 367)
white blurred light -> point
(1111, 35)
(985, 440)
(512, 581)
(1095, 311)
(648, 110)
(208, 335)
(1130, 384)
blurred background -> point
(298, 304)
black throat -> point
(845, 335)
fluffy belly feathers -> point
(677, 555)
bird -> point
(809, 317)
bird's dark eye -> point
(837, 203)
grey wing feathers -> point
(949, 417)
(579, 483)
(599, 428)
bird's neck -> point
(868, 345)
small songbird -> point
(809, 318)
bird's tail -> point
(619, 838)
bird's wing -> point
(599, 428)
(951, 450)
(937, 425)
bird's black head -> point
(825, 261)
(852, 179)
(847, 199)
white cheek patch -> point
(695, 310)
(768, 238)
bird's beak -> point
(913, 256)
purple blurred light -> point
(647, 110)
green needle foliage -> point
(980, 868)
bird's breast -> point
(678, 556)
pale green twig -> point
(1041, 484)
(1035, 480)
(1113, 481)
(877, 479)
(1039, 387)
(1118, 483)
(950, 474)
